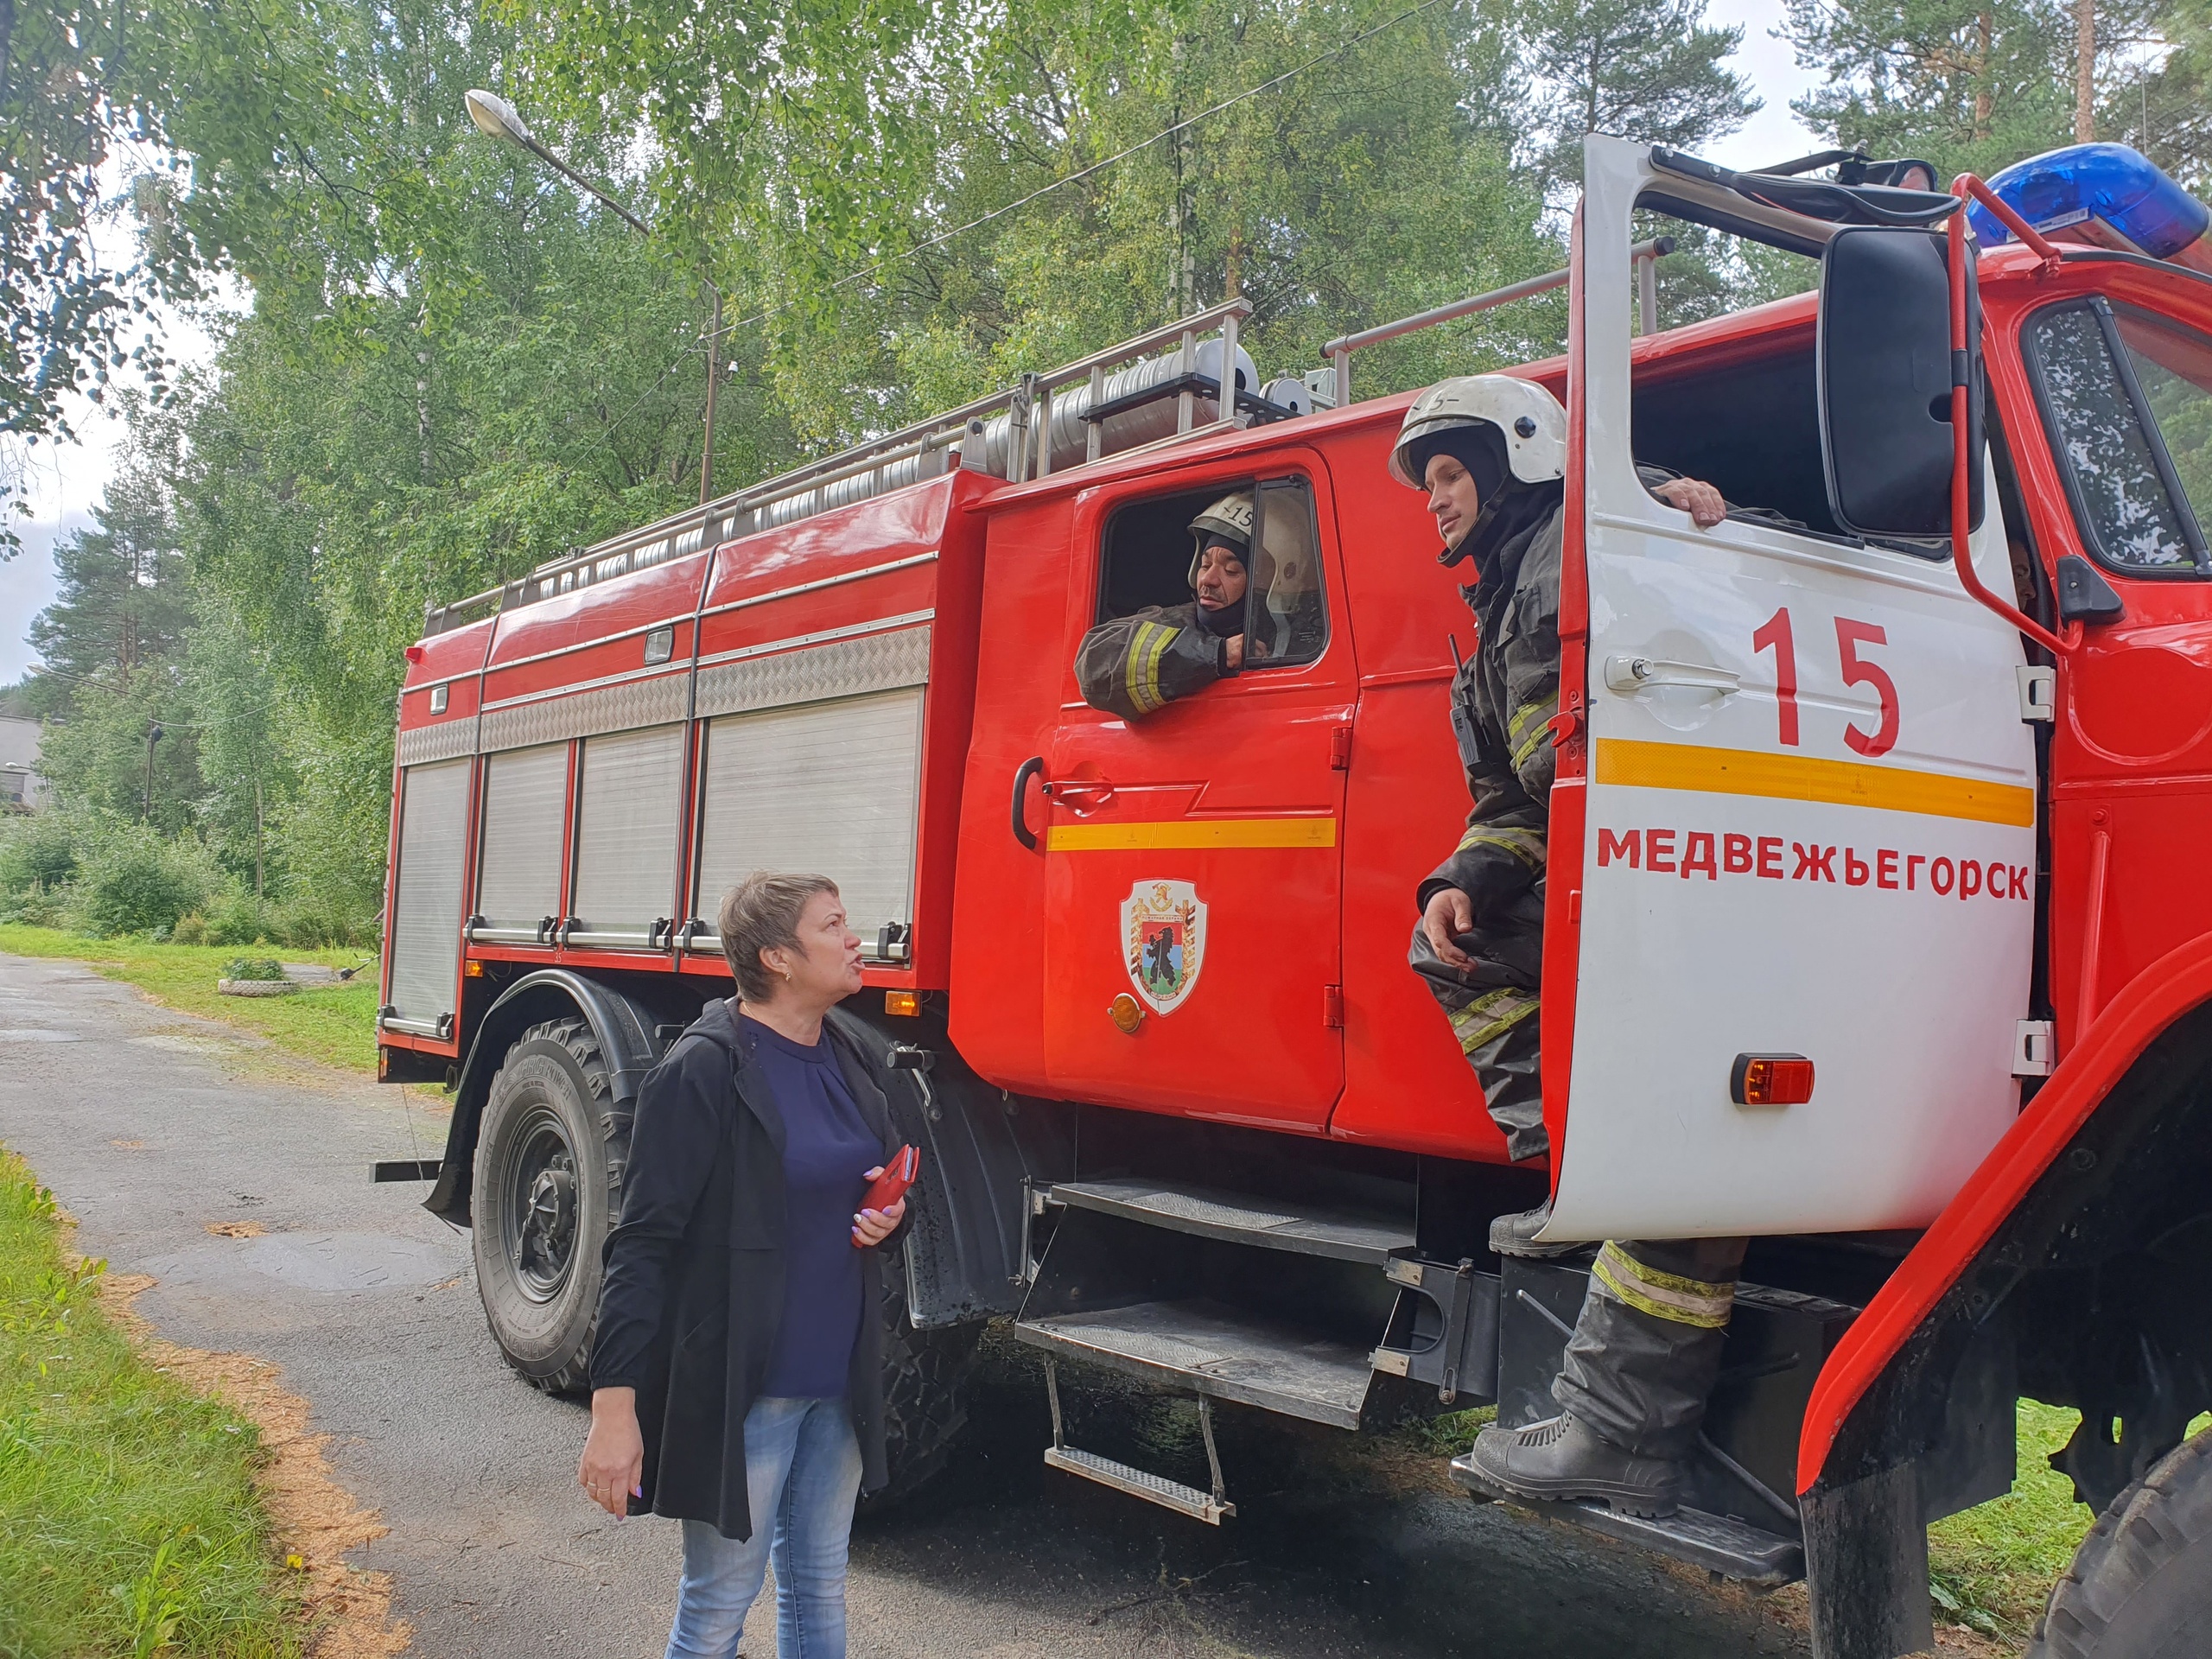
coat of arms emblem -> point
(1163, 935)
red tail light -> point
(414, 654)
(1770, 1080)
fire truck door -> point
(1192, 921)
(1810, 831)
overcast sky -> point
(66, 483)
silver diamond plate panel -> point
(587, 714)
(843, 668)
(442, 742)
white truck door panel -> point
(1810, 830)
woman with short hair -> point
(737, 1374)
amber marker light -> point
(472, 969)
(1770, 1080)
(908, 1003)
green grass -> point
(1991, 1567)
(129, 1524)
(335, 1026)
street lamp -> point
(497, 118)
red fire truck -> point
(1910, 792)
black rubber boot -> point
(1517, 1235)
(1559, 1460)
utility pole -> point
(2085, 72)
(153, 736)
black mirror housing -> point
(1885, 379)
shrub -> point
(39, 853)
(189, 930)
(259, 967)
(135, 881)
(312, 922)
(238, 918)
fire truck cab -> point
(1872, 930)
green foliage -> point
(38, 853)
(1962, 83)
(129, 1524)
(134, 882)
(263, 969)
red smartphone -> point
(891, 1186)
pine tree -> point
(1965, 84)
(1651, 70)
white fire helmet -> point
(1533, 424)
(1230, 520)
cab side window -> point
(1150, 552)
(2107, 384)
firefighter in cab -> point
(1490, 452)
(1132, 664)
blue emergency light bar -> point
(2107, 194)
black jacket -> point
(694, 1292)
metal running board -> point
(1239, 1219)
(1153, 1489)
(1209, 1507)
(1735, 1549)
(1207, 1348)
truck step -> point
(1208, 1348)
(1733, 1548)
(1138, 1483)
(1237, 1219)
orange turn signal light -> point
(908, 1003)
(1770, 1080)
(473, 969)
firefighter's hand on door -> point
(614, 1463)
(1705, 504)
(1450, 913)
(1233, 652)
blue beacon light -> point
(2109, 196)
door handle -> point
(1082, 794)
(1028, 770)
(1629, 675)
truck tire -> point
(549, 1185)
(2140, 1587)
(926, 1378)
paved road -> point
(151, 1126)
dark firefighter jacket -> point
(695, 1272)
(1502, 700)
(1132, 664)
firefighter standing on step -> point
(1133, 665)
(1491, 451)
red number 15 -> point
(1774, 634)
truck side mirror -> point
(1885, 358)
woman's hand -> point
(873, 1226)
(614, 1466)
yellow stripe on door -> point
(1806, 778)
(1171, 834)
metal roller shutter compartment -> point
(826, 788)
(426, 917)
(628, 799)
(525, 797)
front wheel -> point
(2140, 1587)
(926, 1378)
(547, 1163)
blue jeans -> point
(802, 1475)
